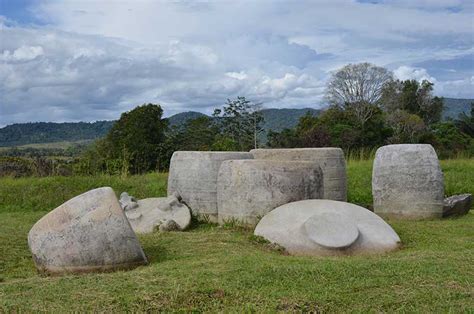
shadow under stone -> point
(155, 253)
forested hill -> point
(181, 118)
(49, 132)
(455, 106)
(279, 119)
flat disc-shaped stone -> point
(331, 230)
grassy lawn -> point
(210, 268)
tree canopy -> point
(413, 97)
(240, 120)
(358, 87)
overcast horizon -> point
(68, 61)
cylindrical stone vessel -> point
(194, 176)
(407, 182)
(88, 233)
(249, 189)
(330, 159)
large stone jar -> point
(88, 233)
(407, 182)
(330, 159)
(193, 175)
(249, 189)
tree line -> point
(142, 140)
(367, 108)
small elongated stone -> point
(457, 205)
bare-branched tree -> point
(358, 87)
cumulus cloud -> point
(410, 73)
(70, 77)
(456, 88)
(461, 88)
(24, 53)
(93, 60)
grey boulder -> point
(326, 227)
(457, 205)
(162, 213)
(88, 233)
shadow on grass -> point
(156, 253)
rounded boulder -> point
(326, 227)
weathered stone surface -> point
(407, 182)
(90, 232)
(248, 189)
(151, 214)
(457, 205)
(326, 227)
(127, 202)
(330, 159)
(194, 176)
(331, 230)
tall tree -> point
(358, 87)
(287, 138)
(413, 97)
(407, 127)
(198, 134)
(333, 127)
(241, 121)
(136, 137)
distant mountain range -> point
(453, 107)
(51, 132)
(275, 119)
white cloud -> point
(411, 73)
(24, 53)
(237, 75)
(92, 60)
(451, 88)
(89, 77)
(456, 88)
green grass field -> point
(210, 268)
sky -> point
(92, 60)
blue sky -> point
(91, 60)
